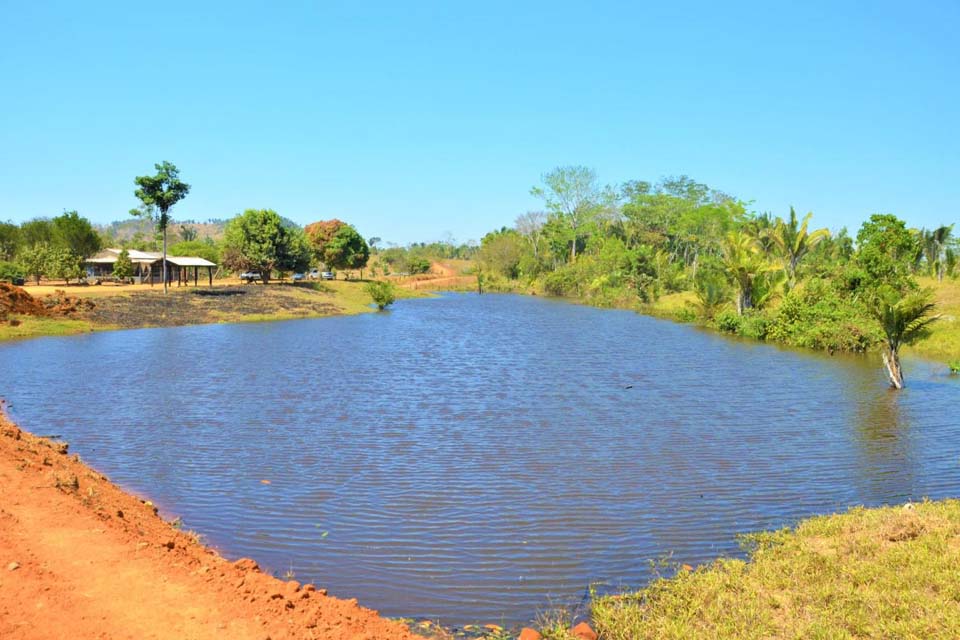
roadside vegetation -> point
(679, 249)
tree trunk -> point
(164, 259)
(891, 362)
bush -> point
(823, 315)
(754, 325)
(728, 321)
(10, 272)
(685, 314)
(382, 292)
(562, 282)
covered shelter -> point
(184, 264)
(148, 267)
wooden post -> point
(195, 270)
(210, 275)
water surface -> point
(477, 458)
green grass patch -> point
(942, 342)
(890, 572)
(34, 327)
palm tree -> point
(793, 242)
(902, 319)
(743, 261)
(934, 246)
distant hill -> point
(136, 229)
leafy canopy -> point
(161, 191)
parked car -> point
(327, 275)
(250, 276)
(297, 277)
(314, 274)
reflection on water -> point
(472, 458)
(886, 456)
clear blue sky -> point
(415, 122)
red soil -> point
(16, 301)
(79, 558)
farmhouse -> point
(148, 267)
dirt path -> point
(79, 558)
(441, 276)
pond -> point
(479, 458)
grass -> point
(889, 572)
(670, 304)
(33, 327)
(943, 341)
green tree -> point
(501, 251)
(346, 249)
(793, 242)
(158, 194)
(187, 234)
(935, 246)
(903, 319)
(123, 267)
(9, 240)
(383, 293)
(33, 259)
(75, 234)
(200, 248)
(743, 263)
(574, 195)
(36, 231)
(258, 240)
(63, 263)
(885, 250)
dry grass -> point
(943, 341)
(892, 572)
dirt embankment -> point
(79, 558)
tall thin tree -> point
(159, 193)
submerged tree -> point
(903, 319)
(382, 292)
(158, 194)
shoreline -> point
(78, 552)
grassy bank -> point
(869, 573)
(138, 307)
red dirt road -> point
(79, 558)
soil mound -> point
(15, 300)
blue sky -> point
(433, 120)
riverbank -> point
(79, 557)
(869, 573)
(133, 307)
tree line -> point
(754, 274)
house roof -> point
(190, 261)
(109, 256)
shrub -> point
(10, 272)
(382, 292)
(728, 321)
(685, 314)
(562, 282)
(822, 315)
(754, 325)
